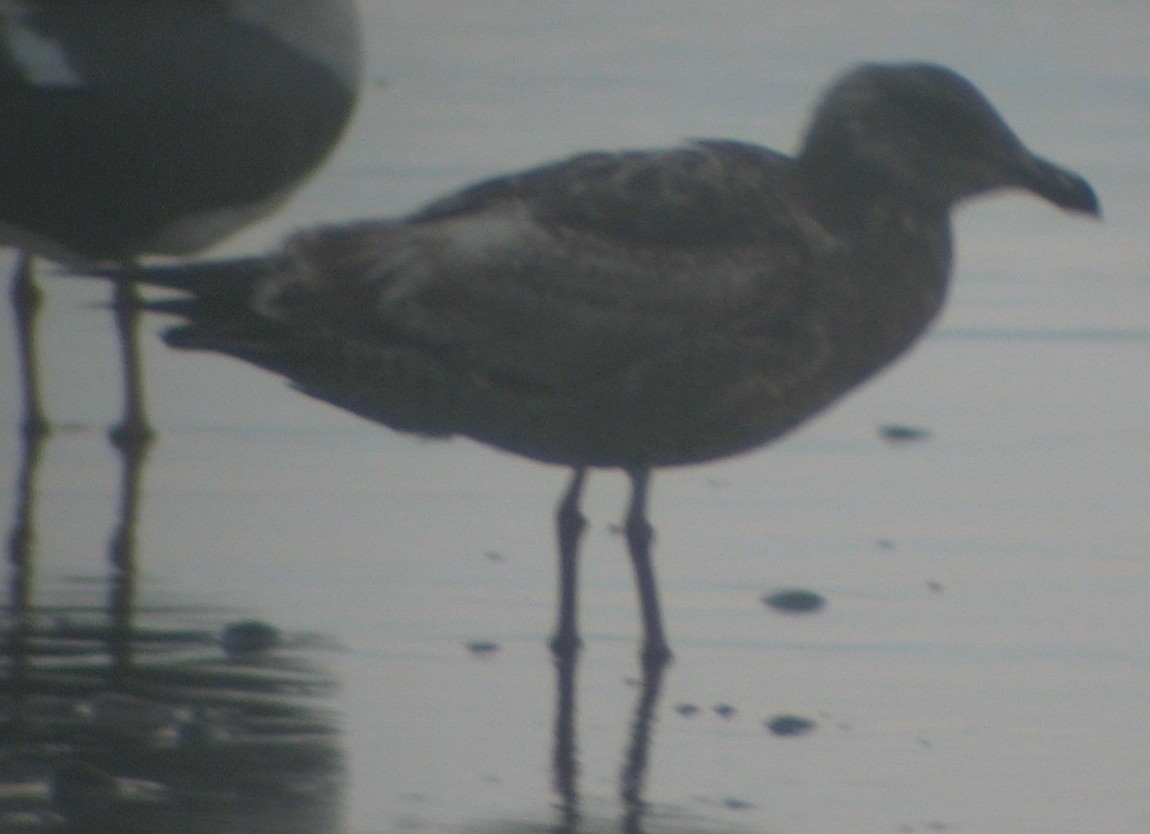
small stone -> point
(249, 637)
(795, 601)
(896, 433)
(482, 648)
(790, 725)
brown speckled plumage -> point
(637, 309)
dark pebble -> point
(790, 725)
(482, 648)
(795, 601)
(249, 637)
(897, 433)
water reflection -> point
(571, 818)
(634, 773)
(21, 536)
(120, 716)
(122, 552)
(565, 780)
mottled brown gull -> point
(636, 309)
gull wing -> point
(564, 273)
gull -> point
(635, 309)
(158, 128)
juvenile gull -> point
(637, 309)
(134, 128)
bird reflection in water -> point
(110, 725)
(113, 718)
(632, 776)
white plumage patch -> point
(480, 236)
(43, 61)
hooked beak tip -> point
(1061, 187)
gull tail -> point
(233, 278)
(215, 304)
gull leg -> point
(26, 300)
(656, 652)
(133, 429)
(570, 523)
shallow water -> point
(980, 663)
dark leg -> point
(26, 303)
(133, 430)
(571, 524)
(639, 535)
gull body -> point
(637, 309)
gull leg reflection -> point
(21, 546)
(122, 559)
(634, 773)
(565, 764)
(175, 724)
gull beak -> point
(1061, 187)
